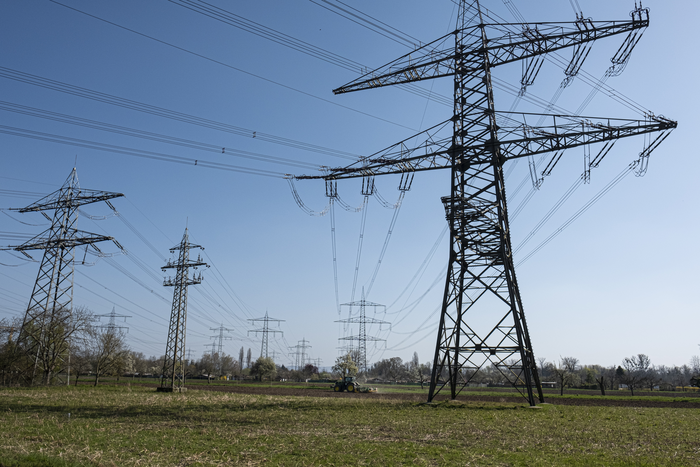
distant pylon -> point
(265, 331)
(221, 337)
(173, 376)
(51, 302)
(112, 325)
(300, 353)
(362, 320)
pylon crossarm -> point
(57, 200)
(568, 132)
(438, 58)
(432, 153)
(430, 61)
(516, 140)
(174, 264)
(75, 238)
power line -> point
(53, 138)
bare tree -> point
(636, 371)
(80, 361)
(107, 351)
(43, 345)
(565, 372)
(207, 365)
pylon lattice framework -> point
(51, 302)
(482, 322)
(265, 330)
(173, 375)
(362, 320)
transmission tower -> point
(221, 337)
(50, 306)
(112, 327)
(173, 376)
(213, 346)
(482, 323)
(362, 320)
(300, 353)
(265, 331)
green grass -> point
(116, 425)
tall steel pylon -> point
(42, 335)
(362, 320)
(173, 375)
(482, 322)
(265, 331)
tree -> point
(695, 381)
(565, 373)
(603, 377)
(424, 373)
(345, 366)
(106, 351)
(309, 371)
(241, 356)
(264, 368)
(249, 358)
(636, 371)
(61, 328)
(226, 365)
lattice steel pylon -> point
(362, 320)
(482, 322)
(173, 375)
(51, 303)
(265, 331)
(300, 353)
(112, 327)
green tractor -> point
(350, 384)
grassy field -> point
(120, 425)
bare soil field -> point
(574, 398)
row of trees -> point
(56, 346)
(636, 372)
(72, 344)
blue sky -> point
(617, 282)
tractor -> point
(350, 384)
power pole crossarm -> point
(438, 58)
(47, 240)
(516, 141)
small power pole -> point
(265, 331)
(173, 376)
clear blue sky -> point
(617, 282)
